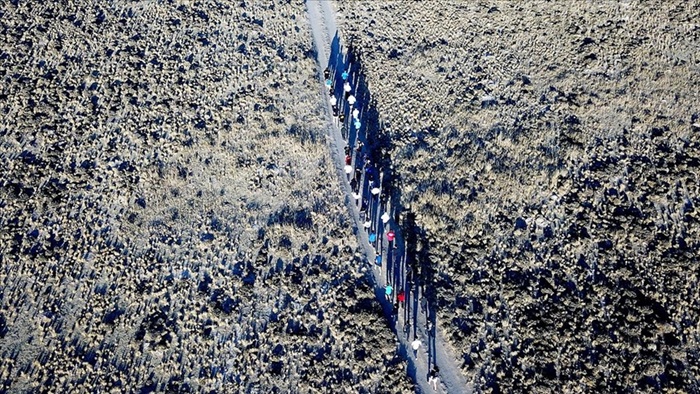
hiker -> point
(326, 73)
(434, 376)
(401, 296)
(334, 101)
(384, 197)
(351, 100)
(390, 236)
(353, 186)
(357, 124)
(329, 85)
(385, 216)
(373, 238)
(346, 87)
(348, 161)
(345, 75)
(415, 345)
(356, 114)
(348, 170)
(369, 170)
(387, 292)
(378, 260)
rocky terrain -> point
(170, 220)
(550, 154)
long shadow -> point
(428, 273)
(414, 282)
(367, 150)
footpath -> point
(386, 232)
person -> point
(434, 376)
(341, 118)
(348, 170)
(348, 161)
(401, 296)
(391, 236)
(356, 114)
(375, 191)
(334, 101)
(378, 260)
(367, 224)
(387, 292)
(415, 345)
(395, 309)
(360, 145)
(335, 110)
(383, 199)
(385, 216)
(356, 196)
(326, 73)
(347, 150)
(369, 170)
(372, 237)
(345, 75)
(329, 85)
(351, 100)
(346, 87)
(358, 124)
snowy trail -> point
(433, 349)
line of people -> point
(361, 172)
